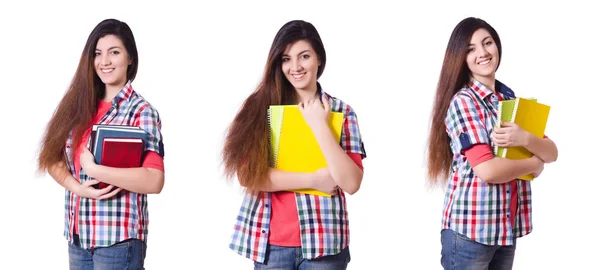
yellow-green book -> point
(531, 116)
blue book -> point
(100, 132)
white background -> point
(198, 63)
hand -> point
(539, 168)
(86, 160)
(87, 190)
(315, 114)
(510, 134)
(323, 181)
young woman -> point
(106, 228)
(486, 208)
(275, 228)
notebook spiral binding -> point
(498, 121)
(274, 122)
(272, 153)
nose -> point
(483, 52)
(105, 59)
(296, 65)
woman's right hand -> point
(323, 182)
(539, 168)
(87, 190)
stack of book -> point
(117, 146)
(531, 116)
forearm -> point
(343, 170)
(63, 177)
(543, 148)
(139, 180)
(502, 170)
(280, 180)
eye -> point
(488, 43)
(115, 52)
(96, 53)
(285, 59)
(470, 49)
(305, 56)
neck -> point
(307, 94)
(489, 81)
(111, 92)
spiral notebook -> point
(531, 116)
(294, 147)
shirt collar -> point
(483, 91)
(124, 94)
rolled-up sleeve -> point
(464, 124)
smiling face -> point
(482, 56)
(300, 65)
(111, 61)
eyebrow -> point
(298, 53)
(113, 47)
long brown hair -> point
(454, 75)
(246, 149)
(79, 104)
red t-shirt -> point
(150, 160)
(285, 226)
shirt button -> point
(508, 215)
(267, 205)
(263, 231)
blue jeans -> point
(460, 252)
(129, 254)
(290, 258)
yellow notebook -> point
(294, 147)
(530, 116)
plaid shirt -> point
(473, 207)
(106, 222)
(323, 221)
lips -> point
(107, 70)
(485, 61)
(298, 76)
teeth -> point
(484, 62)
(108, 70)
(298, 76)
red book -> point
(121, 153)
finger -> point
(106, 189)
(500, 130)
(508, 124)
(325, 101)
(502, 136)
(110, 195)
(90, 182)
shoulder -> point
(338, 105)
(464, 94)
(137, 103)
(464, 99)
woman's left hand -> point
(510, 134)
(315, 114)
